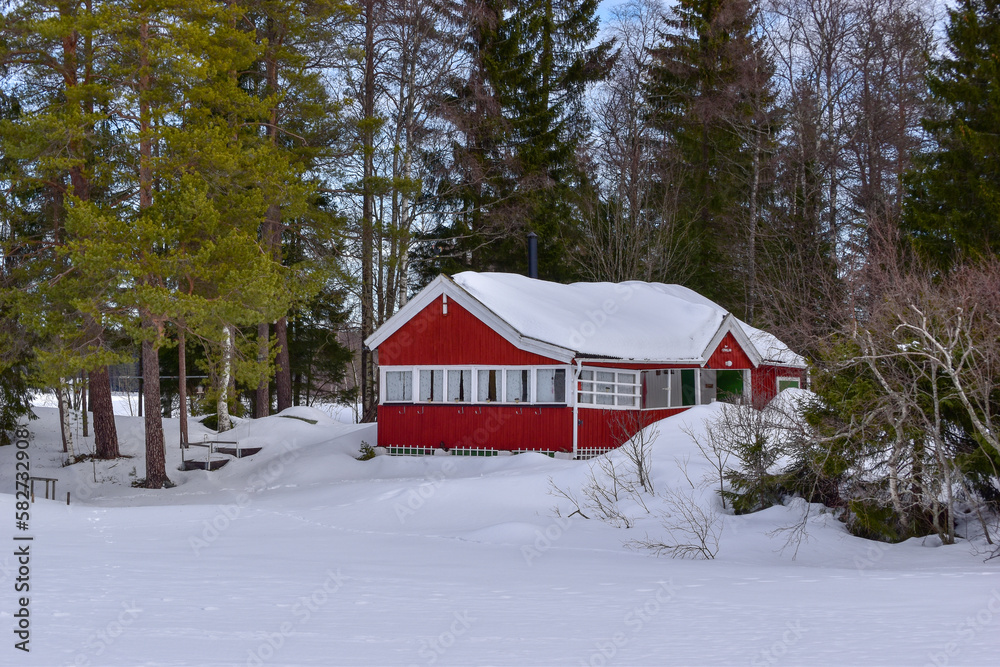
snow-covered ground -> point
(127, 403)
(302, 555)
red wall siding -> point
(477, 426)
(610, 428)
(508, 427)
(765, 382)
(736, 355)
(459, 337)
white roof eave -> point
(731, 325)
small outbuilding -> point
(481, 363)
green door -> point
(729, 385)
(688, 393)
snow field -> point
(301, 555)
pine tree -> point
(184, 249)
(57, 143)
(297, 42)
(953, 208)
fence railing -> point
(585, 453)
(402, 450)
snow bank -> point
(302, 555)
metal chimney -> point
(532, 255)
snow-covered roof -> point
(634, 320)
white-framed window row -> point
(462, 385)
(610, 388)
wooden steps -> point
(227, 448)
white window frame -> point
(636, 385)
(384, 385)
(469, 390)
(473, 389)
(416, 384)
(567, 381)
(531, 384)
(786, 378)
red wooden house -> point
(494, 362)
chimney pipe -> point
(532, 255)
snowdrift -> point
(303, 555)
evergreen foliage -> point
(519, 111)
(710, 94)
(953, 209)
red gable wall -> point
(765, 382)
(736, 355)
(432, 338)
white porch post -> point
(577, 369)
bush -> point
(367, 452)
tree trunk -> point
(367, 218)
(262, 400)
(182, 385)
(283, 372)
(66, 414)
(222, 405)
(83, 405)
(156, 472)
(105, 431)
(63, 431)
(272, 234)
(752, 228)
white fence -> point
(402, 450)
(584, 453)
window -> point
(518, 385)
(609, 388)
(586, 394)
(550, 385)
(510, 385)
(788, 383)
(489, 385)
(460, 386)
(398, 386)
(431, 385)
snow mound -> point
(308, 414)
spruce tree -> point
(953, 209)
(15, 341)
(520, 113)
(710, 95)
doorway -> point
(729, 386)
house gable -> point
(738, 340)
(451, 336)
(729, 354)
(444, 292)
